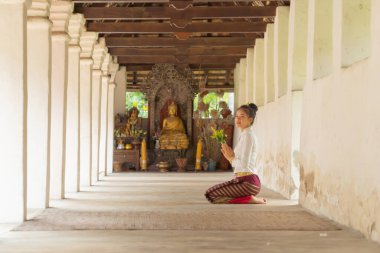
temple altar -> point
(174, 130)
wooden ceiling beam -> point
(154, 28)
(166, 13)
(173, 42)
(176, 60)
(232, 51)
(148, 67)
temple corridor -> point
(80, 155)
(166, 212)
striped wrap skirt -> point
(236, 191)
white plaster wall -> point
(340, 149)
(273, 129)
(120, 90)
(330, 131)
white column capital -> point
(87, 42)
(75, 28)
(60, 12)
(99, 54)
(27, 2)
(105, 64)
(113, 68)
(39, 9)
(112, 85)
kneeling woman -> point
(246, 184)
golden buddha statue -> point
(173, 131)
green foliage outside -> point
(137, 99)
(213, 100)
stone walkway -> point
(174, 193)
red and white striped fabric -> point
(236, 191)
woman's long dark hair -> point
(250, 109)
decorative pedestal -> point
(170, 156)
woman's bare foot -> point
(257, 200)
(221, 200)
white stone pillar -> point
(300, 69)
(236, 85)
(103, 118)
(297, 47)
(320, 33)
(269, 64)
(110, 126)
(38, 117)
(258, 73)
(120, 90)
(281, 28)
(13, 92)
(76, 25)
(98, 57)
(249, 76)
(242, 83)
(59, 14)
(113, 68)
(237, 100)
(87, 42)
(356, 30)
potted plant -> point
(137, 137)
(212, 144)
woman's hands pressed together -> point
(228, 152)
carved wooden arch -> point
(177, 85)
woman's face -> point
(242, 120)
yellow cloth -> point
(243, 174)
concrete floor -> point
(173, 192)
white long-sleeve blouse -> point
(245, 152)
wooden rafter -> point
(177, 60)
(153, 28)
(173, 42)
(166, 13)
(148, 67)
(204, 51)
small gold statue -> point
(133, 121)
(173, 131)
